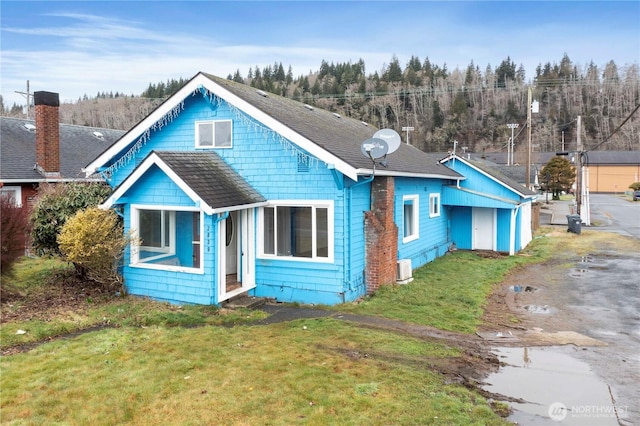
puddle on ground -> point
(559, 389)
(536, 309)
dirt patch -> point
(64, 295)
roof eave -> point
(201, 80)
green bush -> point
(635, 186)
(94, 241)
(54, 205)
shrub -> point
(635, 186)
(94, 241)
(55, 204)
(14, 226)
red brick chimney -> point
(381, 235)
(47, 133)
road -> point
(599, 298)
(615, 214)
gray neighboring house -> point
(33, 152)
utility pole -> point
(408, 129)
(528, 172)
(579, 166)
(511, 144)
(29, 96)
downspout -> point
(512, 233)
(347, 219)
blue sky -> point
(79, 47)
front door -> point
(237, 257)
(484, 236)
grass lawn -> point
(164, 364)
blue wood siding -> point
(482, 183)
(271, 165)
(434, 238)
(174, 286)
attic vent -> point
(98, 135)
(365, 123)
(30, 127)
(262, 93)
(336, 115)
(309, 107)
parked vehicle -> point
(636, 195)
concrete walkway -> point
(556, 212)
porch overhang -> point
(211, 184)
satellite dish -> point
(374, 148)
(391, 137)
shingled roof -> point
(78, 146)
(332, 138)
(215, 182)
(203, 175)
(339, 135)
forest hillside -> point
(472, 106)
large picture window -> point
(298, 230)
(166, 238)
(213, 134)
(410, 218)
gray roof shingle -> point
(78, 146)
(215, 182)
(340, 136)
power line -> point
(618, 128)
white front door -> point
(236, 259)
(483, 224)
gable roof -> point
(78, 145)
(202, 175)
(495, 175)
(331, 138)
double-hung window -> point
(410, 218)
(213, 134)
(434, 205)
(166, 238)
(295, 230)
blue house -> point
(488, 210)
(230, 190)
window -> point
(434, 205)
(410, 218)
(298, 230)
(166, 239)
(213, 134)
(14, 193)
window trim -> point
(16, 191)
(415, 219)
(434, 205)
(314, 204)
(134, 260)
(213, 134)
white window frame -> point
(166, 250)
(414, 201)
(15, 192)
(214, 124)
(434, 205)
(314, 205)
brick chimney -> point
(47, 133)
(381, 235)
